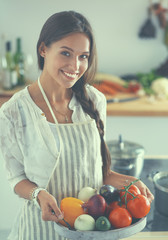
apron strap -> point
(47, 102)
(51, 111)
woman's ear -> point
(42, 49)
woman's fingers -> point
(149, 195)
(56, 211)
(145, 191)
(49, 214)
(49, 207)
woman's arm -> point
(46, 201)
(118, 180)
(24, 188)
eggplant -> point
(109, 193)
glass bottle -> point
(19, 62)
(2, 60)
(10, 76)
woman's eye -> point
(84, 56)
(65, 53)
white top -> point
(27, 139)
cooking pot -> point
(126, 157)
(160, 180)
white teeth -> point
(70, 75)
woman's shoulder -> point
(99, 100)
(13, 101)
(94, 94)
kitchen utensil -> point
(148, 29)
(105, 235)
(116, 100)
(68, 225)
(160, 180)
(126, 157)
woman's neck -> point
(55, 93)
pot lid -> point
(124, 149)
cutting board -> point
(144, 106)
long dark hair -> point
(58, 26)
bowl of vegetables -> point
(108, 214)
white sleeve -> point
(100, 103)
(10, 151)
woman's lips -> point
(70, 75)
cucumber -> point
(102, 224)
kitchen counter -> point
(149, 236)
(3, 99)
(139, 107)
(5, 95)
(143, 106)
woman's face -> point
(66, 60)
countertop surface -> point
(143, 106)
(149, 236)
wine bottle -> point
(19, 62)
(10, 76)
(2, 58)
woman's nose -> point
(75, 63)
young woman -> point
(52, 132)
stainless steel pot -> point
(160, 181)
(126, 157)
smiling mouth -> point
(70, 75)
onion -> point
(86, 193)
(84, 223)
(95, 206)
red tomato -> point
(134, 86)
(112, 206)
(132, 189)
(116, 204)
(120, 217)
(139, 207)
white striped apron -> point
(79, 165)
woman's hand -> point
(119, 180)
(144, 190)
(49, 207)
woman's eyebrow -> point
(70, 49)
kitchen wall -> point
(150, 132)
(116, 24)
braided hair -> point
(58, 26)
